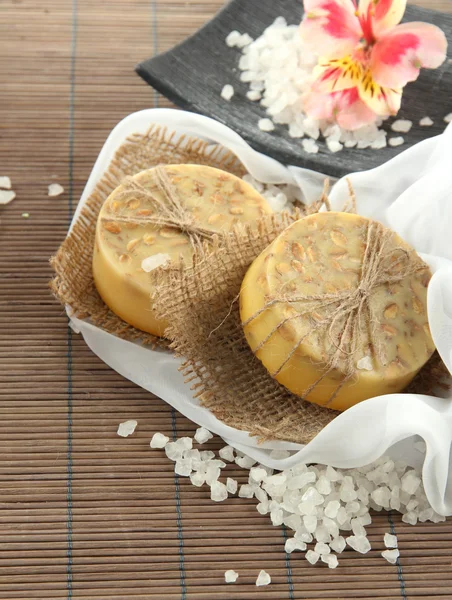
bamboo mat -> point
(85, 514)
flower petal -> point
(383, 14)
(337, 74)
(399, 54)
(330, 27)
(345, 108)
(384, 101)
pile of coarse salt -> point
(326, 508)
(278, 68)
(279, 197)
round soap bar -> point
(212, 199)
(335, 308)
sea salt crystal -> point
(310, 146)
(321, 548)
(266, 125)
(342, 516)
(6, 196)
(262, 508)
(260, 494)
(410, 518)
(321, 534)
(127, 428)
(183, 467)
(173, 451)
(338, 544)
(331, 526)
(159, 440)
(391, 556)
(212, 474)
(153, 262)
(381, 496)
(277, 516)
(323, 486)
(357, 528)
(197, 478)
(448, 118)
(312, 495)
(310, 523)
(244, 40)
(402, 126)
(231, 485)
(332, 474)
(331, 560)
(426, 515)
(410, 482)
(426, 122)
(390, 540)
(218, 491)
(246, 491)
(396, 141)
(294, 544)
(55, 189)
(312, 557)
(263, 578)
(293, 522)
(332, 509)
(203, 435)
(227, 92)
(5, 182)
(227, 453)
(207, 455)
(253, 95)
(299, 481)
(233, 38)
(359, 543)
(334, 146)
(246, 462)
(258, 474)
(230, 576)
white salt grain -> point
(396, 141)
(253, 95)
(391, 556)
(153, 262)
(6, 196)
(390, 540)
(331, 560)
(334, 146)
(246, 462)
(338, 544)
(197, 479)
(448, 118)
(410, 482)
(322, 548)
(233, 38)
(426, 122)
(227, 92)
(312, 557)
(263, 579)
(310, 146)
(332, 509)
(203, 435)
(244, 40)
(127, 428)
(402, 126)
(55, 189)
(159, 440)
(5, 182)
(266, 125)
(246, 491)
(218, 491)
(227, 453)
(183, 467)
(294, 544)
(231, 485)
(230, 576)
(258, 474)
(359, 543)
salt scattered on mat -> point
(5, 182)
(391, 556)
(263, 578)
(231, 576)
(402, 126)
(153, 262)
(127, 428)
(426, 122)
(227, 453)
(231, 485)
(227, 92)
(159, 440)
(390, 541)
(396, 141)
(55, 189)
(218, 491)
(312, 557)
(6, 196)
(203, 435)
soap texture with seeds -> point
(127, 236)
(335, 308)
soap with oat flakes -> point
(127, 239)
(335, 309)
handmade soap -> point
(156, 217)
(335, 309)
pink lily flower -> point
(365, 49)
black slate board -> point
(193, 74)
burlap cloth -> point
(200, 301)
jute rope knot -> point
(169, 212)
(346, 317)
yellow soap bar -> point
(212, 199)
(335, 309)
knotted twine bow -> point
(347, 315)
(169, 213)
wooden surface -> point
(85, 514)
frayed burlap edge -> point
(201, 304)
(73, 284)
